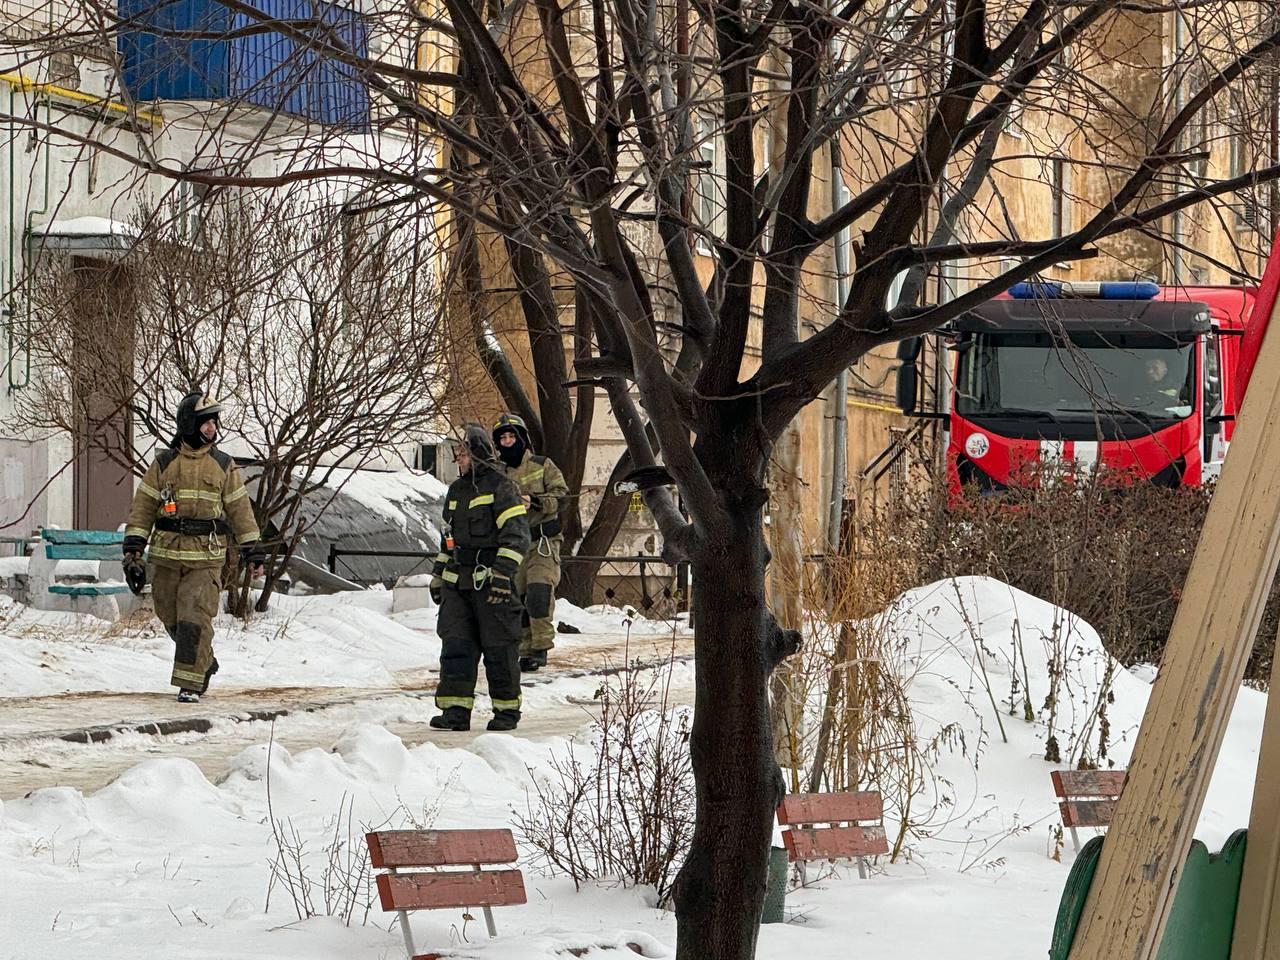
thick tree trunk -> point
(720, 890)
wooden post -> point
(1257, 934)
(1204, 660)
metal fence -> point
(15, 546)
(650, 584)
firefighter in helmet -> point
(189, 505)
(473, 581)
(542, 488)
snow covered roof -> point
(86, 236)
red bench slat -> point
(1088, 783)
(457, 888)
(834, 843)
(802, 808)
(440, 848)
(1087, 813)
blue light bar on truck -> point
(1105, 290)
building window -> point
(1060, 203)
(897, 59)
(895, 290)
(189, 208)
(766, 172)
(707, 201)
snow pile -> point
(965, 642)
(162, 855)
(389, 492)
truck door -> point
(1213, 434)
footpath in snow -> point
(304, 670)
(166, 854)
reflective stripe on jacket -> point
(490, 527)
(205, 485)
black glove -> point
(252, 555)
(535, 503)
(135, 568)
(135, 572)
(500, 590)
(436, 589)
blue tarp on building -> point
(203, 50)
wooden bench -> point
(1087, 798)
(843, 837)
(104, 594)
(396, 851)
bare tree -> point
(320, 328)
(608, 144)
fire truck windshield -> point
(1138, 378)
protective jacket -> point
(541, 480)
(489, 527)
(188, 504)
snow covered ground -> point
(167, 856)
(344, 640)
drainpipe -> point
(840, 419)
(14, 382)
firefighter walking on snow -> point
(542, 487)
(191, 501)
(473, 582)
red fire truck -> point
(1134, 379)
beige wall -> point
(1123, 56)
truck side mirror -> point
(908, 388)
(909, 349)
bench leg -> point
(488, 911)
(862, 868)
(1075, 838)
(408, 934)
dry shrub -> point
(620, 804)
(853, 675)
(1115, 555)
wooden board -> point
(439, 848)
(82, 551)
(1204, 660)
(451, 888)
(830, 807)
(834, 843)
(88, 589)
(1087, 813)
(1088, 783)
(83, 536)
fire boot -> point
(453, 718)
(531, 663)
(208, 675)
(504, 720)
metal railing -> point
(336, 554)
(632, 580)
(17, 546)
(620, 580)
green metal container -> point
(775, 897)
(1203, 915)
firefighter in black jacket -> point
(480, 613)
